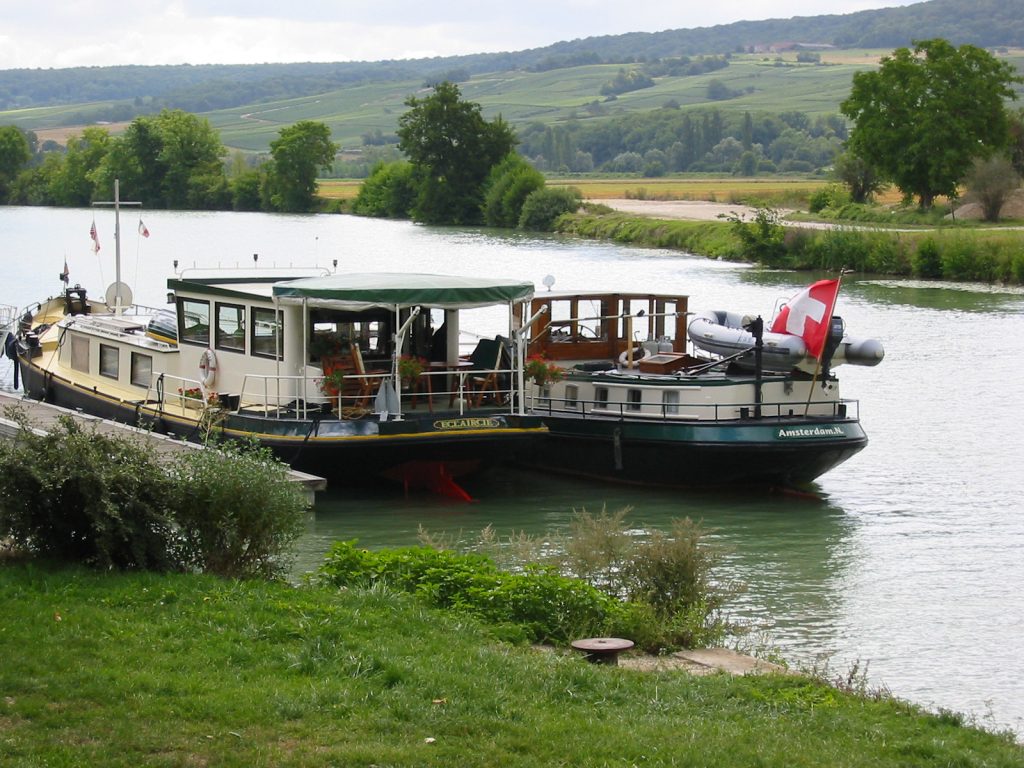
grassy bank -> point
(979, 254)
(127, 670)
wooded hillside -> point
(131, 90)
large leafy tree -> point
(15, 153)
(170, 160)
(925, 115)
(452, 149)
(134, 159)
(298, 153)
(75, 183)
(191, 154)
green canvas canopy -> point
(366, 291)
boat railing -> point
(457, 386)
(278, 396)
(167, 389)
(695, 412)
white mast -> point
(118, 287)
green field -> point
(548, 97)
(766, 83)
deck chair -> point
(365, 386)
(485, 374)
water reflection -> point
(804, 543)
(944, 296)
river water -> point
(911, 561)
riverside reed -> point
(114, 669)
(978, 254)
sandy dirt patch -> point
(692, 210)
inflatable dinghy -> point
(723, 333)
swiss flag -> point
(808, 315)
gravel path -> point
(694, 210)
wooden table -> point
(441, 366)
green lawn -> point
(130, 670)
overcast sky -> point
(105, 32)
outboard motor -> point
(836, 331)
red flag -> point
(142, 229)
(65, 275)
(95, 238)
(808, 315)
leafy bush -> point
(237, 512)
(389, 191)
(763, 237)
(81, 496)
(958, 260)
(927, 261)
(665, 576)
(544, 605)
(508, 186)
(543, 206)
(830, 196)
(656, 590)
(886, 255)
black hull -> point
(725, 454)
(344, 452)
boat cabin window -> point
(80, 353)
(194, 321)
(333, 332)
(572, 396)
(639, 324)
(670, 401)
(601, 397)
(230, 327)
(109, 361)
(267, 333)
(634, 397)
(562, 320)
(142, 370)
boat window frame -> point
(256, 350)
(81, 353)
(634, 399)
(135, 378)
(199, 340)
(219, 338)
(670, 402)
(572, 396)
(104, 360)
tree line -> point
(171, 160)
(670, 140)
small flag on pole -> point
(142, 229)
(65, 275)
(95, 238)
